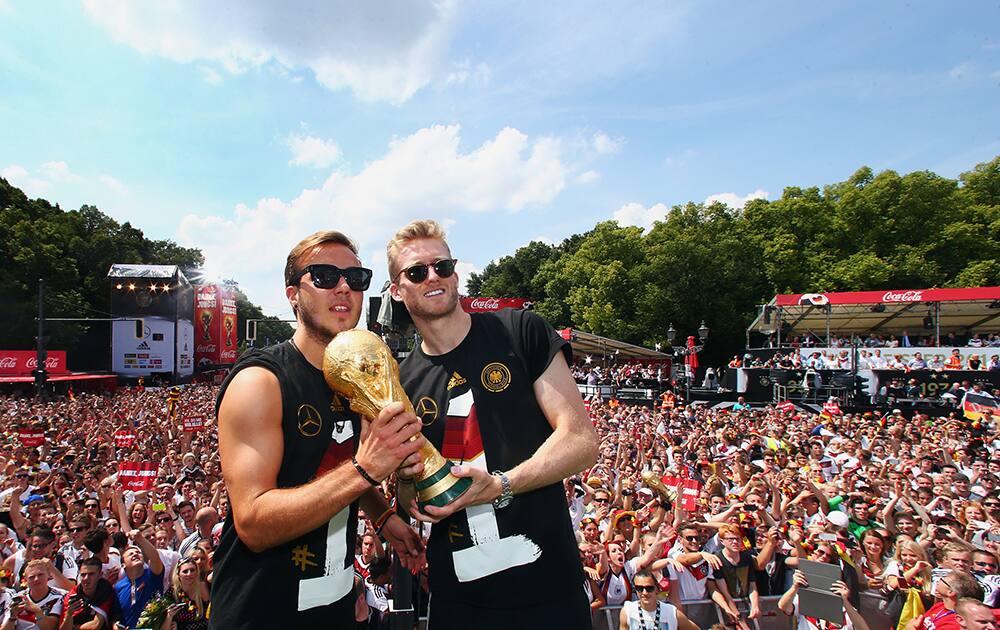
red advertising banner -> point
(215, 325)
(893, 296)
(488, 304)
(22, 362)
(194, 423)
(137, 476)
(689, 491)
(31, 437)
(124, 438)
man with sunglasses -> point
(507, 412)
(298, 462)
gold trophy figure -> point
(358, 365)
(227, 323)
(655, 483)
(206, 325)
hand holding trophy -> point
(358, 365)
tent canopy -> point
(585, 343)
(882, 312)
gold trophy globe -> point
(358, 365)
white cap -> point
(837, 518)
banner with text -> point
(488, 304)
(23, 362)
(215, 325)
(194, 423)
(136, 476)
(31, 437)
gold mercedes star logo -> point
(310, 422)
(427, 410)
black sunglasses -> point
(418, 273)
(77, 530)
(327, 276)
(648, 589)
(693, 538)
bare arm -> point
(252, 446)
(573, 443)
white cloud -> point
(964, 70)
(113, 185)
(379, 50)
(423, 174)
(465, 72)
(735, 201)
(58, 172)
(19, 176)
(588, 177)
(636, 214)
(209, 75)
(56, 182)
(605, 144)
(312, 151)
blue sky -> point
(241, 127)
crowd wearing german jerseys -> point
(708, 509)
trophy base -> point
(441, 488)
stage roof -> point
(862, 312)
(585, 343)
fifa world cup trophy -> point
(358, 365)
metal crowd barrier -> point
(704, 613)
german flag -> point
(173, 400)
(979, 406)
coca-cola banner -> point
(31, 437)
(215, 325)
(902, 296)
(23, 363)
(194, 423)
(136, 476)
(487, 304)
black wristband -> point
(363, 472)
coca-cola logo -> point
(903, 296)
(485, 304)
(8, 363)
(205, 349)
(49, 363)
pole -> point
(40, 353)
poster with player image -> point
(227, 352)
(208, 319)
(215, 325)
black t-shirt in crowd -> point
(308, 582)
(478, 408)
(738, 576)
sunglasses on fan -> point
(327, 276)
(418, 273)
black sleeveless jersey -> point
(308, 582)
(478, 408)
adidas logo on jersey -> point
(142, 346)
(455, 380)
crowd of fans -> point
(872, 360)
(903, 340)
(719, 507)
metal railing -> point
(704, 613)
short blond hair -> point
(421, 228)
(308, 245)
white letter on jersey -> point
(489, 554)
(336, 581)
